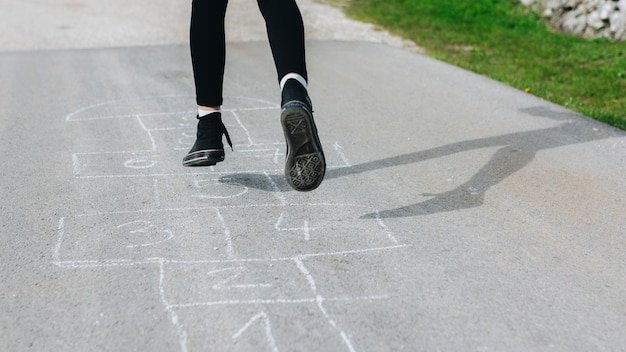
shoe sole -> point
(305, 165)
(203, 158)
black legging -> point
(285, 31)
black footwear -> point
(305, 164)
(208, 148)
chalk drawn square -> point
(234, 282)
(126, 238)
(292, 230)
(260, 327)
(118, 164)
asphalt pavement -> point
(457, 214)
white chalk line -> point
(153, 114)
(206, 196)
(77, 264)
(70, 116)
(277, 154)
(75, 165)
(237, 146)
(225, 284)
(232, 206)
(205, 182)
(275, 189)
(184, 174)
(257, 150)
(126, 176)
(128, 262)
(278, 301)
(339, 149)
(227, 237)
(143, 126)
(77, 172)
(60, 233)
(180, 329)
(306, 273)
(170, 236)
(382, 224)
(147, 225)
(268, 330)
(130, 116)
(305, 256)
(116, 152)
(166, 210)
(306, 229)
(243, 127)
(162, 129)
(319, 300)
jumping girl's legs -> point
(305, 165)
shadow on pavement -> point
(518, 150)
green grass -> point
(503, 40)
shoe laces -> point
(212, 125)
(225, 131)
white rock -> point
(547, 13)
(588, 18)
(552, 4)
(606, 9)
(594, 21)
(618, 25)
(575, 24)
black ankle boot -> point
(208, 148)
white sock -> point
(203, 113)
(295, 76)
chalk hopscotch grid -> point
(172, 307)
(272, 151)
(145, 159)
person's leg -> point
(305, 164)
(208, 57)
(208, 50)
(285, 31)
